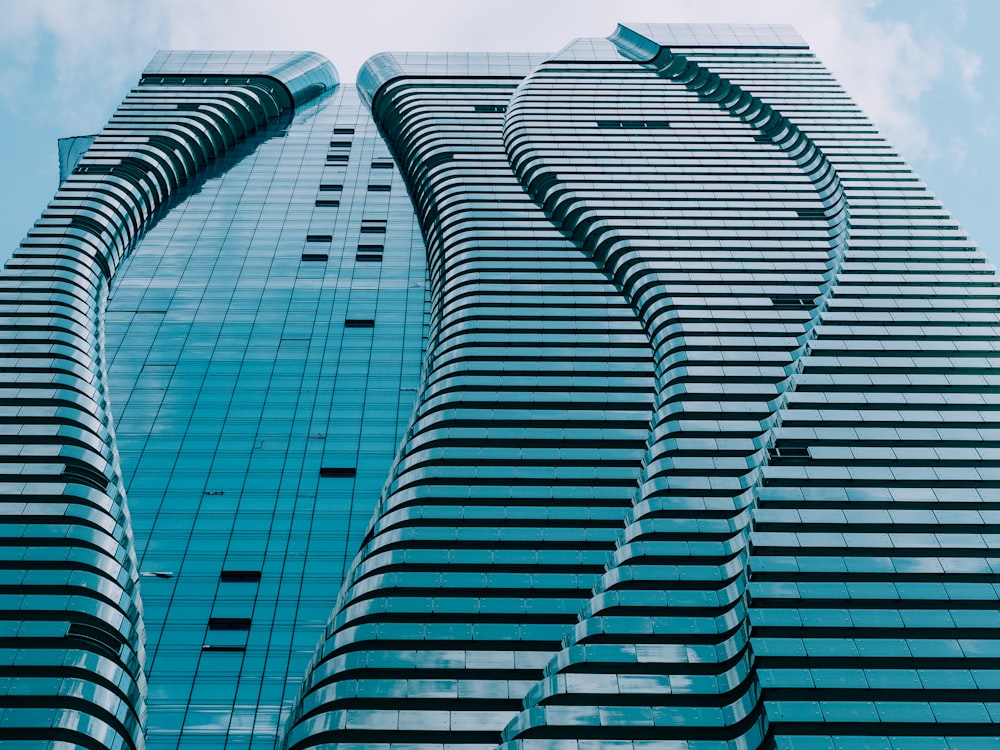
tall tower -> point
(702, 457)
(264, 342)
(229, 266)
(73, 643)
(635, 395)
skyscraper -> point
(635, 395)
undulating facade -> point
(635, 395)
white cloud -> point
(72, 61)
(96, 49)
(18, 51)
(957, 152)
(969, 66)
(885, 66)
(987, 128)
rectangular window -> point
(342, 472)
(330, 187)
(379, 188)
(343, 131)
(229, 623)
(373, 226)
(381, 165)
(788, 453)
(340, 144)
(497, 108)
(239, 576)
(359, 323)
(327, 202)
(370, 253)
(633, 124)
(319, 238)
(789, 301)
(337, 158)
(317, 257)
(811, 213)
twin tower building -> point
(636, 396)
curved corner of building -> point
(302, 75)
(305, 76)
(376, 72)
(632, 44)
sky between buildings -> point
(921, 69)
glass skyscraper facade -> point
(631, 396)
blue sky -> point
(922, 69)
